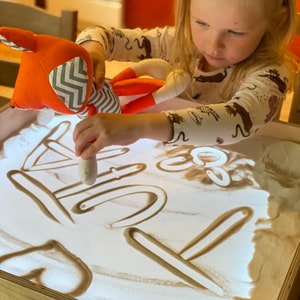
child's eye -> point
(202, 24)
(235, 33)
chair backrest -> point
(37, 21)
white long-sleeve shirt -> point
(215, 121)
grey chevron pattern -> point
(13, 45)
(104, 100)
(70, 81)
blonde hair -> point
(273, 48)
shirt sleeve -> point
(255, 103)
(131, 44)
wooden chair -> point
(38, 21)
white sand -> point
(169, 197)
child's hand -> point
(103, 130)
(107, 129)
(97, 55)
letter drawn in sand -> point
(208, 158)
(40, 273)
(157, 199)
(180, 264)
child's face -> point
(226, 32)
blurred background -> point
(118, 13)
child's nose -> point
(216, 42)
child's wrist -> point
(158, 127)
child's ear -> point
(18, 39)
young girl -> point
(236, 53)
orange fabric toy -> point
(148, 82)
(58, 74)
(55, 73)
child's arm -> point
(131, 44)
(254, 104)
